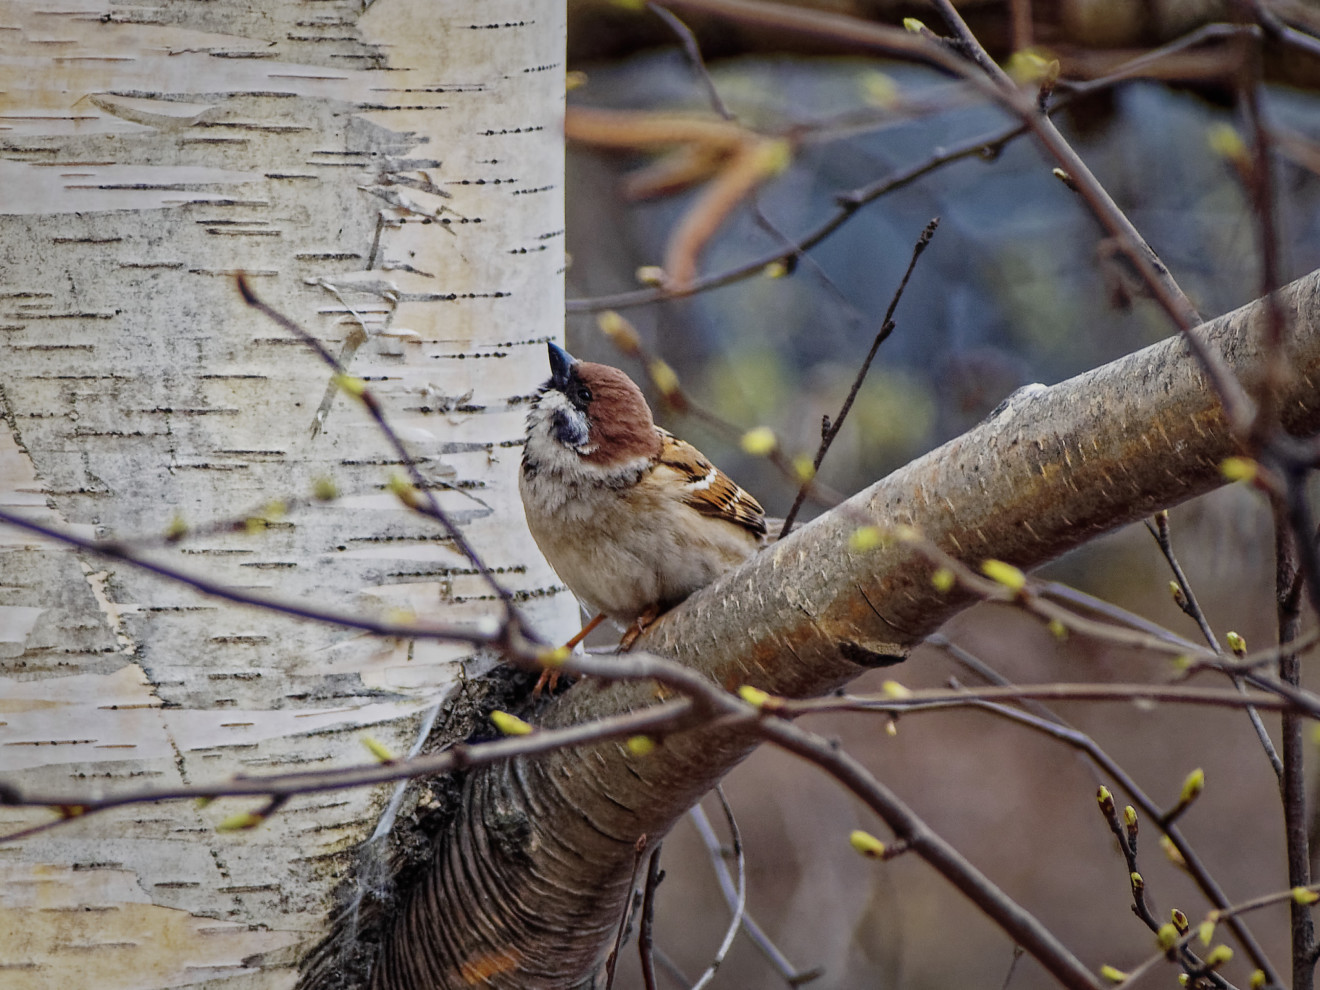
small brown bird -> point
(631, 518)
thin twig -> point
(1292, 782)
(1280, 30)
(639, 850)
(1159, 529)
(645, 929)
(1191, 606)
(886, 328)
(693, 52)
(654, 721)
(1020, 925)
(477, 635)
(740, 905)
(1196, 868)
(430, 506)
(791, 975)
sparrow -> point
(631, 518)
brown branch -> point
(908, 828)
(1046, 475)
(115, 550)
(645, 930)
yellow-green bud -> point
(1173, 853)
(664, 377)
(1225, 141)
(865, 538)
(510, 725)
(554, 658)
(895, 690)
(1106, 801)
(621, 333)
(1180, 921)
(867, 844)
(1219, 955)
(641, 745)
(1167, 936)
(240, 821)
(1239, 468)
(1305, 895)
(879, 90)
(355, 387)
(943, 579)
(1205, 931)
(759, 441)
(177, 529)
(1113, 975)
(1006, 574)
(378, 749)
(1236, 643)
(1192, 786)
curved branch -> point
(535, 871)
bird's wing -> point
(708, 489)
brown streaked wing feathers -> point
(722, 498)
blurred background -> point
(1018, 286)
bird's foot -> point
(639, 626)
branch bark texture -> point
(528, 885)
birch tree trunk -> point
(391, 179)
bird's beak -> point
(561, 362)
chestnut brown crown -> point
(621, 425)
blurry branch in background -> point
(730, 160)
(986, 147)
(1276, 27)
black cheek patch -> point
(568, 429)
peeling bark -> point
(528, 883)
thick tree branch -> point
(534, 873)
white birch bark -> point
(146, 154)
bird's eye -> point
(582, 395)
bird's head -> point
(594, 410)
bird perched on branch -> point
(631, 518)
